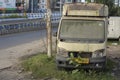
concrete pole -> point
(49, 30)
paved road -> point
(11, 40)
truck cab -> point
(82, 33)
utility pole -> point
(49, 30)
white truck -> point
(114, 28)
(82, 33)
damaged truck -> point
(82, 36)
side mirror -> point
(55, 34)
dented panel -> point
(85, 9)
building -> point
(59, 3)
(116, 2)
(30, 6)
(43, 5)
(36, 6)
(7, 6)
(33, 6)
(70, 1)
(22, 5)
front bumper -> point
(93, 63)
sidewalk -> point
(10, 56)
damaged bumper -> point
(93, 63)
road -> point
(12, 40)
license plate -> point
(81, 60)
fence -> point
(33, 15)
(9, 27)
(35, 21)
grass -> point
(43, 67)
(12, 16)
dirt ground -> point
(114, 54)
(15, 72)
(11, 57)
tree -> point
(111, 6)
(110, 3)
(49, 30)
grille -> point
(82, 54)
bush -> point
(43, 67)
(13, 16)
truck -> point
(82, 35)
(114, 28)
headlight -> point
(62, 52)
(98, 53)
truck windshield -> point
(82, 30)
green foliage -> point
(113, 10)
(43, 67)
(110, 64)
(111, 6)
(13, 16)
(73, 61)
(39, 65)
(88, 0)
(110, 42)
